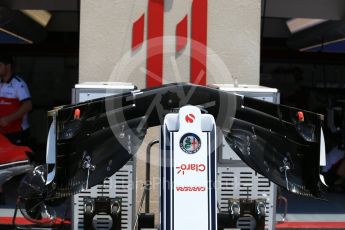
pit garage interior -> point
(296, 47)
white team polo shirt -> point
(12, 94)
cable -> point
(147, 177)
(146, 189)
(284, 199)
(262, 31)
(64, 218)
(263, 19)
(15, 217)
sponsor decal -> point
(190, 188)
(190, 118)
(190, 143)
(155, 42)
(190, 167)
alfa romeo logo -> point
(190, 143)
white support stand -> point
(188, 171)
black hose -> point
(148, 167)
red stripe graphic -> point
(22, 220)
(138, 32)
(308, 225)
(198, 42)
(181, 34)
(154, 62)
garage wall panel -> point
(233, 41)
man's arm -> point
(25, 107)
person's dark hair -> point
(6, 58)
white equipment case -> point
(122, 183)
(235, 179)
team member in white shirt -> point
(15, 103)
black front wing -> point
(279, 142)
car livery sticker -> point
(190, 143)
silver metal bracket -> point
(286, 166)
(89, 167)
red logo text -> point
(190, 188)
(190, 167)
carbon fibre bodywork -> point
(270, 138)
